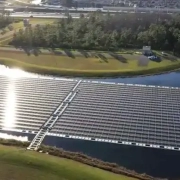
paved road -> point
(43, 15)
(104, 9)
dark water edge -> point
(170, 79)
(155, 162)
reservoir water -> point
(156, 162)
(170, 79)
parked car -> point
(154, 58)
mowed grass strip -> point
(80, 63)
(36, 20)
(19, 164)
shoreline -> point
(86, 74)
(82, 158)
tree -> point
(125, 37)
(114, 39)
(103, 32)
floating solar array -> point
(125, 114)
(116, 113)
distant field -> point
(19, 164)
(65, 61)
(35, 20)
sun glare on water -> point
(10, 107)
(16, 73)
(9, 120)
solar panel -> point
(100, 111)
(140, 115)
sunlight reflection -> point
(18, 138)
(10, 105)
(15, 72)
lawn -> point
(35, 20)
(19, 164)
(83, 62)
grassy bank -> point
(19, 164)
(78, 157)
(89, 64)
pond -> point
(170, 79)
(156, 162)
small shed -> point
(26, 22)
(147, 50)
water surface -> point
(170, 79)
(156, 162)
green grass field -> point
(19, 164)
(83, 62)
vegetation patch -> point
(28, 159)
(106, 32)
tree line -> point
(105, 32)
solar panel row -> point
(123, 113)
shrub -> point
(3, 31)
(10, 27)
(18, 20)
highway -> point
(49, 8)
(47, 15)
(55, 15)
(44, 15)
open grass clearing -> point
(37, 20)
(75, 63)
(40, 20)
(19, 164)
